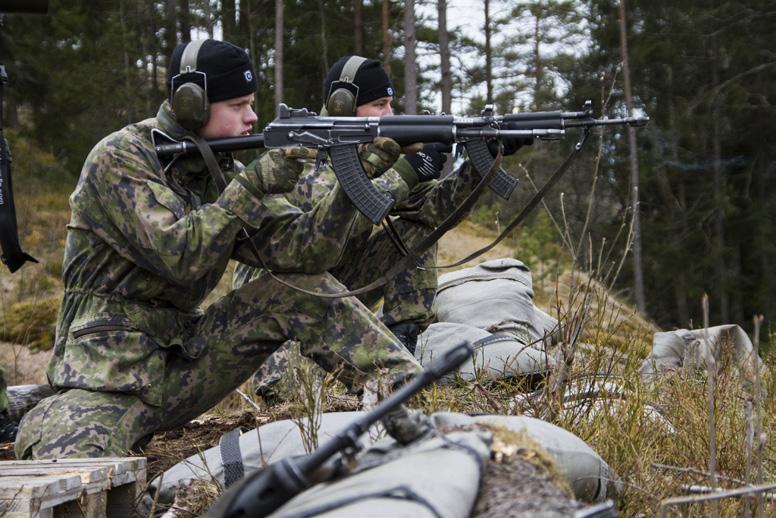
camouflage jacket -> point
(145, 245)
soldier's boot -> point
(407, 333)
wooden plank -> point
(71, 488)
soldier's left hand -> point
(378, 156)
(429, 161)
(278, 170)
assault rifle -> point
(339, 137)
(264, 491)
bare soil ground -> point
(22, 366)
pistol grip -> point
(368, 199)
(503, 183)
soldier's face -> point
(230, 118)
(377, 108)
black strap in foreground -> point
(12, 254)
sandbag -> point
(690, 349)
(435, 478)
(496, 296)
(496, 355)
(588, 475)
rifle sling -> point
(530, 206)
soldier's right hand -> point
(277, 170)
(378, 156)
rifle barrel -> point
(252, 141)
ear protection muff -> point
(189, 100)
(343, 93)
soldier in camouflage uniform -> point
(147, 242)
(408, 299)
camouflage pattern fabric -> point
(409, 297)
(134, 354)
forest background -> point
(704, 71)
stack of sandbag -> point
(692, 349)
(437, 476)
(491, 304)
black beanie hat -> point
(371, 80)
(228, 69)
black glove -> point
(511, 144)
(429, 161)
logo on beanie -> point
(248, 76)
(389, 90)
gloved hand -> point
(511, 144)
(406, 425)
(378, 156)
(277, 170)
(429, 161)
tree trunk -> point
(228, 19)
(488, 56)
(324, 38)
(410, 77)
(170, 33)
(386, 37)
(718, 185)
(638, 272)
(538, 68)
(358, 26)
(278, 52)
(131, 102)
(444, 56)
(185, 21)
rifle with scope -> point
(339, 138)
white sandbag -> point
(690, 349)
(258, 447)
(434, 478)
(496, 296)
(496, 355)
(589, 476)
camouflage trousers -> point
(241, 330)
(408, 297)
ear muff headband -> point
(189, 100)
(343, 93)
